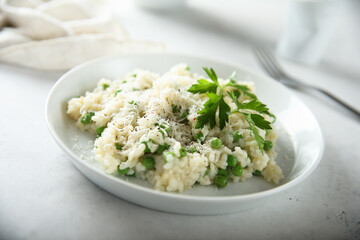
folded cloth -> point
(60, 34)
(51, 54)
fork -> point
(269, 63)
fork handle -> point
(299, 85)
(340, 101)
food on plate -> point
(179, 129)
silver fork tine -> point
(273, 61)
(278, 71)
(264, 63)
(269, 63)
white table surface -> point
(43, 196)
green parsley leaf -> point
(224, 112)
(105, 86)
(257, 106)
(175, 108)
(208, 113)
(258, 138)
(203, 87)
(116, 92)
(255, 131)
(243, 88)
(260, 121)
(212, 75)
(236, 93)
(162, 132)
(192, 150)
(185, 114)
(216, 93)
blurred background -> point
(320, 37)
(43, 196)
(200, 25)
(229, 30)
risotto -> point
(178, 129)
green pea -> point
(231, 160)
(166, 155)
(236, 136)
(216, 143)
(124, 81)
(105, 86)
(192, 150)
(147, 149)
(257, 173)
(223, 172)
(268, 145)
(221, 181)
(237, 170)
(122, 171)
(148, 163)
(99, 131)
(182, 152)
(134, 75)
(86, 118)
(198, 136)
(185, 114)
(116, 92)
(118, 146)
(187, 68)
(162, 148)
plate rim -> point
(180, 196)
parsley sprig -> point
(216, 104)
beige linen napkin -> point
(60, 34)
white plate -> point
(300, 145)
